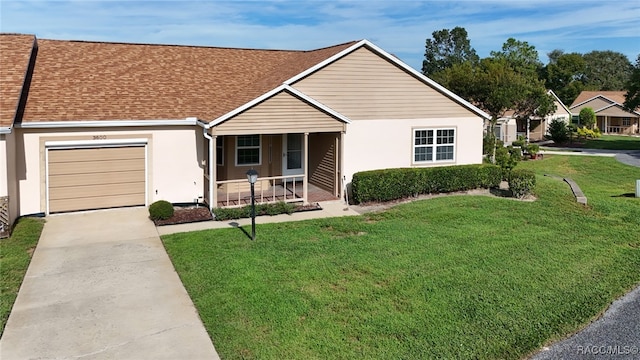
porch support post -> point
(336, 169)
(213, 173)
(305, 183)
(342, 180)
(606, 125)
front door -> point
(292, 154)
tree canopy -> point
(606, 70)
(632, 97)
(446, 49)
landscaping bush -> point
(392, 184)
(522, 182)
(489, 142)
(558, 131)
(507, 158)
(160, 210)
(520, 142)
(271, 209)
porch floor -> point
(314, 194)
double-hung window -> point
(248, 150)
(626, 121)
(433, 145)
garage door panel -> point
(95, 202)
(96, 154)
(74, 192)
(95, 178)
(83, 167)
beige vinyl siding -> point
(94, 178)
(615, 111)
(362, 85)
(595, 104)
(322, 161)
(282, 113)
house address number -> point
(99, 137)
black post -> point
(253, 213)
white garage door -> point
(95, 177)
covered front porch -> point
(617, 125)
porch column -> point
(305, 183)
(342, 180)
(606, 126)
(336, 169)
(213, 165)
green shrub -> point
(160, 210)
(392, 184)
(519, 142)
(558, 131)
(278, 208)
(489, 142)
(507, 158)
(522, 182)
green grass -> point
(452, 277)
(614, 142)
(15, 255)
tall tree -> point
(564, 75)
(446, 49)
(522, 57)
(606, 70)
(632, 97)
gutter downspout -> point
(211, 162)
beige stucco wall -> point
(380, 144)
(174, 162)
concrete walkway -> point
(101, 286)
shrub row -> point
(392, 184)
(281, 207)
(521, 182)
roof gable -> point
(396, 62)
(15, 55)
(611, 96)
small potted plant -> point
(533, 150)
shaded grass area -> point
(614, 142)
(451, 277)
(15, 255)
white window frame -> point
(626, 120)
(259, 147)
(434, 145)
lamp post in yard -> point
(252, 176)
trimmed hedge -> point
(280, 207)
(522, 182)
(392, 184)
(160, 210)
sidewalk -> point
(329, 209)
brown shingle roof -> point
(617, 96)
(75, 80)
(15, 53)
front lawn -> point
(613, 142)
(15, 255)
(449, 277)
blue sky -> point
(400, 27)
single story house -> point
(91, 125)
(510, 127)
(611, 117)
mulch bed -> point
(202, 213)
(187, 215)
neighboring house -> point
(611, 117)
(504, 129)
(539, 127)
(88, 125)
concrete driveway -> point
(101, 286)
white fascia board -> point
(272, 93)
(105, 123)
(618, 106)
(593, 98)
(560, 101)
(66, 144)
(246, 106)
(5, 130)
(319, 105)
(395, 61)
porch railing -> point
(616, 129)
(236, 193)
